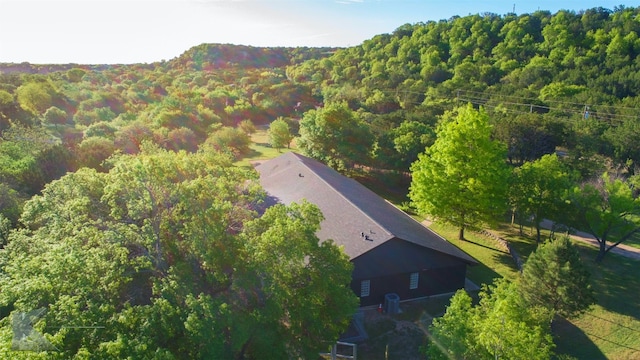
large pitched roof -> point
(355, 217)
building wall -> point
(390, 266)
(431, 282)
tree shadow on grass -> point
(506, 259)
(482, 274)
(570, 340)
(252, 154)
(615, 281)
(486, 247)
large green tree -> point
(30, 158)
(609, 209)
(501, 326)
(625, 140)
(54, 116)
(165, 257)
(36, 97)
(279, 134)
(230, 140)
(462, 178)
(539, 190)
(336, 136)
(554, 277)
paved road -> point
(622, 249)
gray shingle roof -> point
(355, 217)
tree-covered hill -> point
(588, 56)
(566, 83)
(567, 79)
(28, 68)
(85, 113)
(216, 56)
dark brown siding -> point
(431, 282)
(389, 269)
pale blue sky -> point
(129, 31)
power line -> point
(569, 108)
(524, 105)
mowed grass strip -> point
(493, 260)
(261, 149)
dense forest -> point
(566, 83)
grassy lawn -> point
(613, 325)
(610, 330)
(261, 150)
(493, 261)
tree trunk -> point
(537, 234)
(601, 251)
(461, 233)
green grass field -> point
(610, 330)
(261, 150)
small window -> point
(365, 286)
(413, 280)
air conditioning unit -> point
(391, 303)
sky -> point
(145, 31)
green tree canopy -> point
(336, 136)
(229, 140)
(30, 158)
(35, 97)
(165, 257)
(609, 209)
(8, 108)
(554, 277)
(501, 326)
(279, 134)
(247, 126)
(93, 151)
(625, 140)
(462, 178)
(75, 74)
(539, 190)
(55, 116)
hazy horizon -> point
(146, 31)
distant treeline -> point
(567, 81)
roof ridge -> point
(342, 195)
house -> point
(390, 251)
